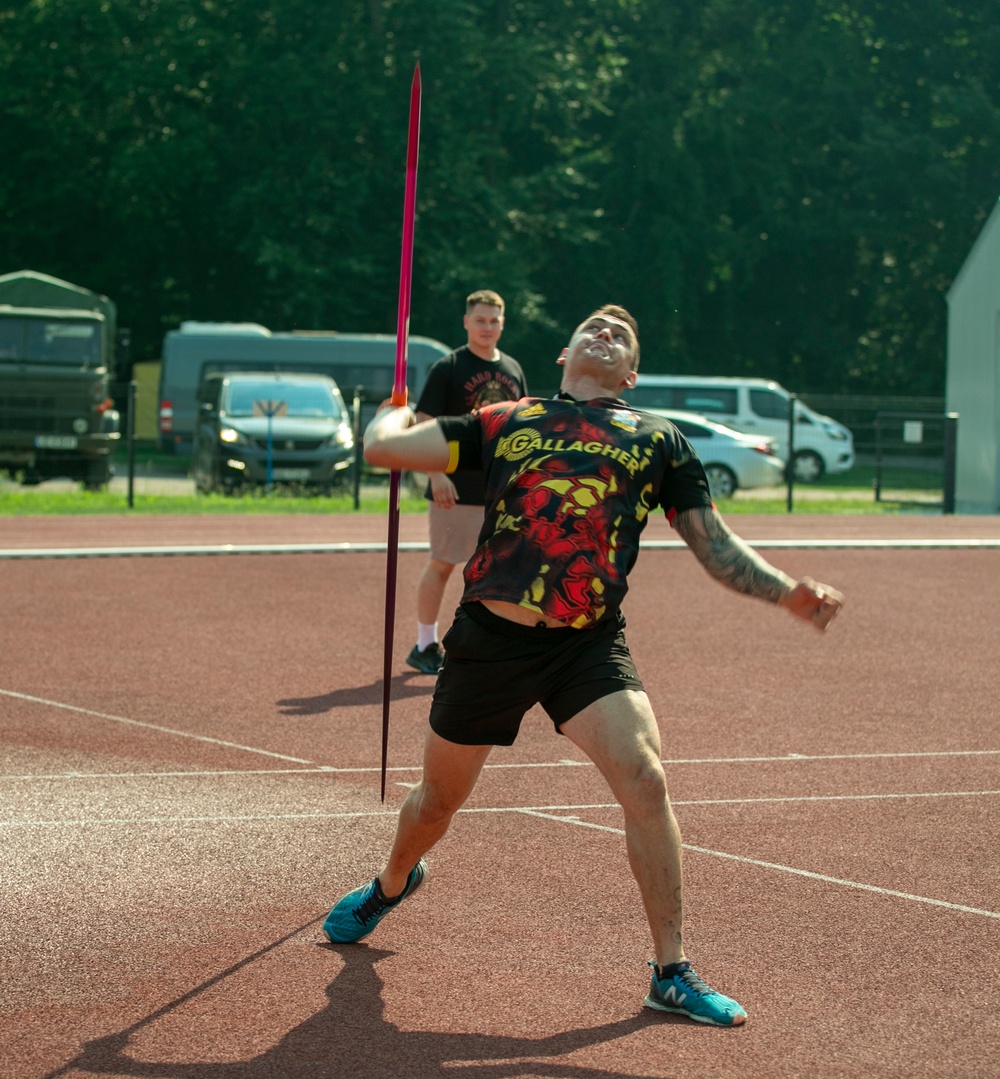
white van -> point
(757, 406)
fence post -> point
(950, 461)
(790, 464)
(130, 443)
(358, 456)
(877, 482)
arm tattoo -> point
(728, 558)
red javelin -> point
(399, 398)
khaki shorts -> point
(454, 533)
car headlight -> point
(344, 436)
(232, 437)
(835, 432)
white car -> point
(731, 459)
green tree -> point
(805, 182)
(781, 189)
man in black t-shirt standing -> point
(471, 377)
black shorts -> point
(495, 670)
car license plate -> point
(291, 473)
(55, 442)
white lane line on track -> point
(760, 864)
(333, 770)
(205, 549)
(379, 547)
(564, 812)
(843, 883)
(838, 797)
(49, 777)
(330, 769)
(561, 815)
(153, 727)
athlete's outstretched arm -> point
(396, 441)
(735, 564)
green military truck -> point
(57, 355)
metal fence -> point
(908, 444)
(904, 446)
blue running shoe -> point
(357, 914)
(676, 988)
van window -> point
(707, 399)
(208, 392)
(770, 405)
(652, 396)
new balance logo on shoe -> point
(671, 996)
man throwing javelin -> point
(570, 482)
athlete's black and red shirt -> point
(569, 486)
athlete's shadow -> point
(351, 1039)
(402, 686)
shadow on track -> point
(355, 695)
(351, 1037)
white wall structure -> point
(973, 372)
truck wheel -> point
(98, 476)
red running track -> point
(190, 777)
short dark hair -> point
(483, 295)
(614, 310)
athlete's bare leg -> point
(619, 734)
(450, 774)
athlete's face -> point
(484, 324)
(602, 347)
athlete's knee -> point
(642, 788)
(435, 804)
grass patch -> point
(897, 476)
(15, 502)
(904, 491)
(83, 503)
(851, 503)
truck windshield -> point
(66, 342)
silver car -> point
(732, 460)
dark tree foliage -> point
(806, 182)
(779, 189)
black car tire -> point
(721, 480)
